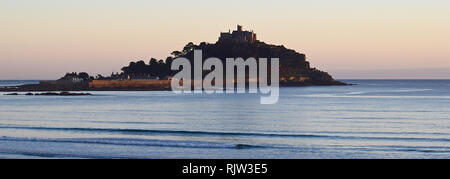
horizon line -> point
(335, 79)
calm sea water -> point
(374, 119)
(17, 82)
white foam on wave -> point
(407, 90)
(356, 93)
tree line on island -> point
(155, 68)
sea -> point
(372, 119)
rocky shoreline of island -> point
(47, 89)
(63, 93)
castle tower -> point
(239, 28)
(238, 35)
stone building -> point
(238, 36)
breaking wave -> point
(137, 142)
(212, 133)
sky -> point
(350, 39)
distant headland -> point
(157, 74)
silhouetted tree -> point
(176, 53)
(83, 75)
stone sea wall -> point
(128, 83)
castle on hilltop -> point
(238, 36)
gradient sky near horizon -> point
(44, 39)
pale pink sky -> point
(348, 38)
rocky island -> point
(294, 69)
